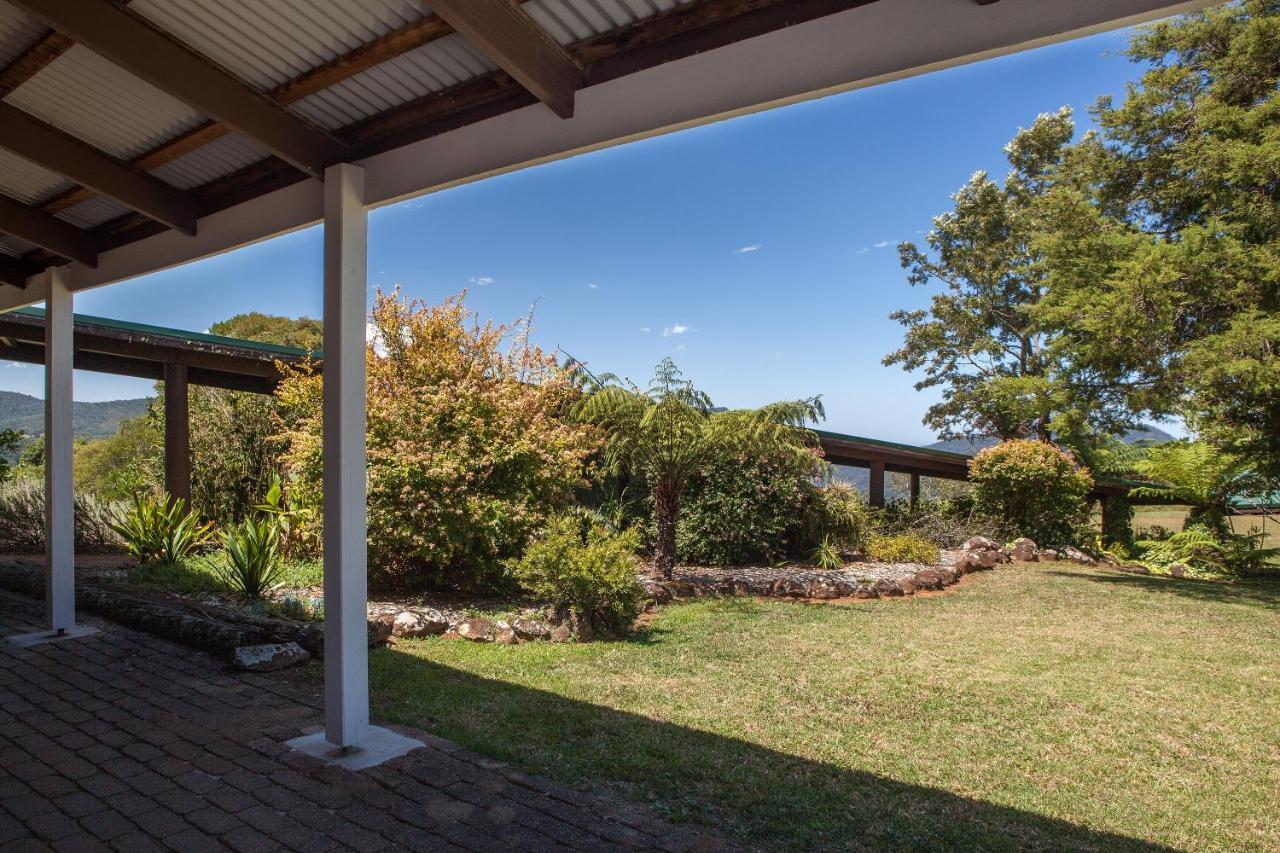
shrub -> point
(1036, 487)
(1206, 552)
(839, 511)
(902, 548)
(161, 531)
(827, 555)
(748, 508)
(1117, 518)
(947, 522)
(22, 519)
(584, 570)
(468, 452)
(252, 566)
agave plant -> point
(253, 561)
(827, 555)
(161, 531)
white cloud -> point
(754, 247)
(863, 250)
(645, 329)
(677, 329)
(594, 285)
(481, 280)
(373, 336)
(13, 364)
(680, 348)
(880, 244)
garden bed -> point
(797, 580)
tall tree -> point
(1163, 259)
(671, 433)
(980, 341)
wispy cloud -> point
(677, 329)
(373, 336)
(680, 348)
(645, 329)
(880, 244)
(863, 250)
(13, 364)
(482, 280)
(754, 247)
(595, 285)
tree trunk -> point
(666, 509)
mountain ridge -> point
(25, 413)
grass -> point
(1043, 706)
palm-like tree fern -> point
(670, 433)
(1197, 474)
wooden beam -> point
(507, 35)
(172, 67)
(875, 486)
(177, 432)
(12, 271)
(48, 232)
(49, 47)
(413, 35)
(41, 143)
(913, 489)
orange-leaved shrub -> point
(1036, 486)
(468, 449)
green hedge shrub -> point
(584, 570)
(902, 548)
(1035, 486)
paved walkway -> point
(120, 741)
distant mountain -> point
(89, 420)
(970, 446)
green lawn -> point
(1041, 706)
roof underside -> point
(372, 74)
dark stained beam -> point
(172, 67)
(913, 489)
(12, 272)
(413, 35)
(47, 48)
(59, 152)
(177, 432)
(506, 34)
(48, 232)
(875, 486)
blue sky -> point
(758, 252)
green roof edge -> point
(180, 334)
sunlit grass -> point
(1037, 706)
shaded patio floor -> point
(121, 741)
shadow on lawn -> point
(739, 790)
(1263, 591)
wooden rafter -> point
(679, 32)
(507, 35)
(12, 272)
(59, 152)
(48, 232)
(413, 35)
(172, 67)
(47, 48)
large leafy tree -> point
(980, 341)
(1162, 258)
(671, 433)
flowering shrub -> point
(468, 451)
(1037, 487)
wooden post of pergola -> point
(177, 432)
(875, 487)
(915, 490)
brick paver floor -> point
(124, 742)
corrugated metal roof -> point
(90, 98)
(267, 42)
(407, 77)
(18, 31)
(93, 211)
(220, 157)
(27, 182)
(14, 246)
(571, 20)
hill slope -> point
(973, 445)
(91, 420)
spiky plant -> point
(670, 433)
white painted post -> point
(346, 664)
(60, 546)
